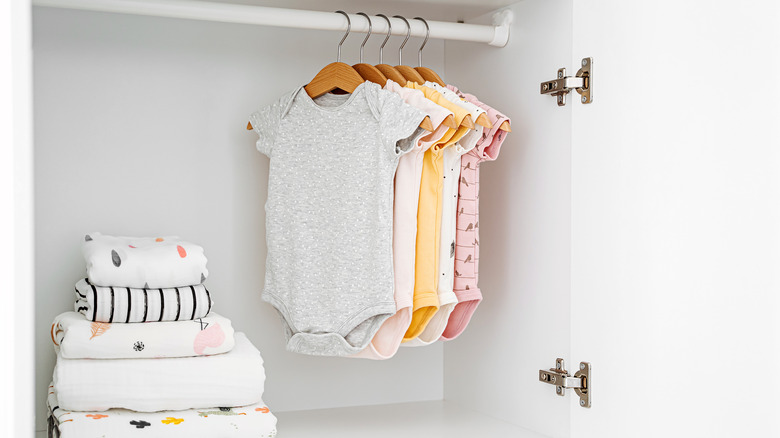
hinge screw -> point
(582, 365)
(558, 365)
(560, 75)
(584, 99)
(544, 87)
(584, 62)
(558, 389)
(582, 402)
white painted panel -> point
(523, 323)
(676, 218)
(16, 222)
(140, 130)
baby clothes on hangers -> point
(329, 269)
(467, 239)
(426, 300)
(451, 165)
(407, 191)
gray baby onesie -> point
(329, 213)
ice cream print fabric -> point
(143, 262)
(251, 421)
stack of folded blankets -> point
(144, 355)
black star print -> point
(203, 325)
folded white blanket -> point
(143, 262)
(126, 304)
(253, 421)
(147, 385)
(75, 337)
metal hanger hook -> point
(349, 26)
(367, 36)
(427, 33)
(408, 34)
(387, 37)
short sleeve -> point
(399, 122)
(489, 149)
(265, 122)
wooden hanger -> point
(368, 71)
(430, 75)
(388, 70)
(483, 120)
(449, 122)
(426, 73)
(336, 75)
(372, 74)
(407, 72)
(341, 76)
(468, 122)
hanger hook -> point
(389, 30)
(427, 33)
(367, 36)
(408, 34)
(349, 26)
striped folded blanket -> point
(127, 304)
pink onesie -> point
(407, 191)
(467, 238)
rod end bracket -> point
(502, 22)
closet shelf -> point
(433, 419)
(496, 35)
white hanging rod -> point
(496, 35)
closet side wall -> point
(523, 323)
(140, 130)
(16, 222)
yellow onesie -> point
(426, 279)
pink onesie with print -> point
(467, 237)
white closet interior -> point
(638, 233)
(140, 130)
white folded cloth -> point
(147, 385)
(127, 304)
(143, 262)
(252, 421)
(75, 337)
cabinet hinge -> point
(582, 82)
(562, 380)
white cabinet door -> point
(676, 218)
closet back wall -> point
(140, 130)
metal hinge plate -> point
(582, 82)
(562, 380)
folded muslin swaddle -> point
(75, 337)
(147, 385)
(127, 304)
(252, 421)
(143, 262)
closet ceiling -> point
(431, 9)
